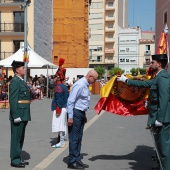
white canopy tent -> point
(34, 60)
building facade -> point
(39, 22)
(128, 51)
(146, 48)
(106, 16)
(70, 32)
(135, 48)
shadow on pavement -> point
(65, 159)
(25, 155)
(141, 158)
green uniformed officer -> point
(19, 99)
(159, 104)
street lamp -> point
(24, 6)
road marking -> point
(51, 157)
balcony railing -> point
(91, 60)
(4, 55)
(11, 1)
(11, 27)
(109, 50)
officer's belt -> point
(24, 101)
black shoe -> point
(75, 165)
(82, 164)
(20, 165)
(25, 163)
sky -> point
(141, 13)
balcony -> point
(8, 29)
(112, 29)
(4, 55)
(109, 40)
(109, 50)
(110, 18)
(110, 7)
(11, 2)
(147, 53)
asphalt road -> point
(110, 142)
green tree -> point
(100, 70)
(134, 71)
(115, 71)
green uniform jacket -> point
(18, 90)
(159, 98)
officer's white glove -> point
(121, 78)
(158, 123)
(17, 120)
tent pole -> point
(47, 81)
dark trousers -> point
(162, 139)
(17, 140)
(75, 135)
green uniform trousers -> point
(162, 139)
(17, 140)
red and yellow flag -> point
(163, 42)
(119, 98)
(25, 58)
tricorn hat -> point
(61, 71)
(17, 64)
(160, 57)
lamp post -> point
(25, 7)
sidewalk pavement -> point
(110, 142)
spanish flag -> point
(119, 98)
(25, 58)
(163, 42)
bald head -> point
(91, 76)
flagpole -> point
(27, 3)
(25, 38)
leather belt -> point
(24, 101)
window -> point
(110, 57)
(110, 15)
(110, 3)
(18, 21)
(110, 25)
(122, 60)
(165, 17)
(110, 35)
(127, 49)
(96, 26)
(95, 48)
(17, 44)
(110, 67)
(132, 61)
(122, 50)
(99, 48)
(96, 16)
(147, 47)
(99, 58)
(96, 5)
(127, 60)
(97, 37)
